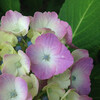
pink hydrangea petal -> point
(49, 20)
(34, 53)
(84, 97)
(84, 64)
(6, 79)
(82, 84)
(50, 45)
(23, 25)
(9, 83)
(14, 22)
(21, 88)
(40, 20)
(49, 41)
(6, 83)
(68, 35)
(80, 75)
(61, 29)
(64, 60)
(41, 71)
(44, 43)
(9, 16)
(79, 53)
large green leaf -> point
(84, 18)
(9, 4)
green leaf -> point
(84, 18)
(6, 5)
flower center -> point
(73, 78)
(46, 57)
(18, 64)
(13, 94)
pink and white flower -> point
(48, 22)
(81, 70)
(16, 64)
(12, 88)
(14, 22)
(48, 56)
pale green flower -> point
(54, 92)
(32, 83)
(6, 48)
(8, 37)
(16, 64)
(62, 79)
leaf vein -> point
(82, 18)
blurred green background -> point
(84, 18)
(28, 7)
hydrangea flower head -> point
(49, 55)
(32, 83)
(81, 70)
(12, 88)
(16, 64)
(14, 22)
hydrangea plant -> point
(37, 64)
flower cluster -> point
(35, 64)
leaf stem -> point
(24, 42)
